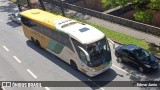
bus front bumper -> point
(96, 72)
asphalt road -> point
(20, 60)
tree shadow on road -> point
(13, 24)
(94, 82)
(9, 8)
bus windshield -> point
(99, 52)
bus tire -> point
(38, 44)
(74, 65)
(32, 39)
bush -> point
(143, 16)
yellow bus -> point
(82, 46)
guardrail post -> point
(62, 8)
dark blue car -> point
(136, 56)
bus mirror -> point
(87, 55)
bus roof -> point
(83, 33)
(42, 17)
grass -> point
(14, 0)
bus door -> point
(84, 58)
(82, 63)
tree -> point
(29, 3)
(20, 3)
(143, 16)
(113, 3)
(42, 4)
(141, 6)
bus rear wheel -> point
(32, 39)
(73, 64)
(38, 44)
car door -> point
(124, 55)
(132, 59)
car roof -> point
(130, 47)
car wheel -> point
(141, 69)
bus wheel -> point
(38, 44)
(73, 64)
(32, 40)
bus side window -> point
(55, 35)
(76, 44)
(64, 39)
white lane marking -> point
(17, 59)
(102, 88)
(46, 88)
(3, 88)
(6, 48)
(119, 68)
(30, 72)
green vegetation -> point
(141, 6)
(137, 4)
(14, 0)
(143, 16)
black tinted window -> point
(125, 53)
(64, 39)
(141, 53)
(25, 21)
